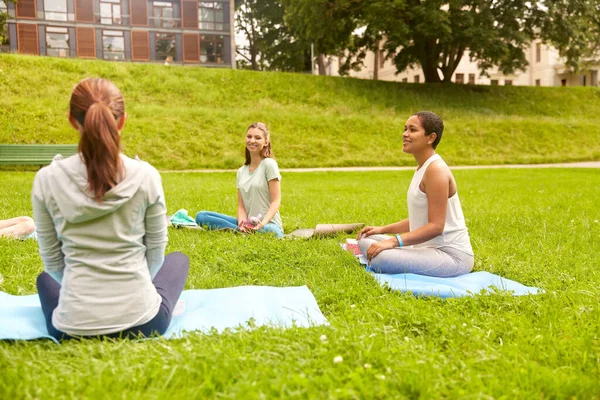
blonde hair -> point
(266, 152)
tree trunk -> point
(308, 62)
(447, 76)
(253, 48)
(253, 56)
(430, 72)
(321, 62)
(376, 63)
(451, 60)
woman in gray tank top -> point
(434, 239)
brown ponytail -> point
(97, 105)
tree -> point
(431, 34)
(247, 20)
(3, 26)
(436, 34)
(573, 27)
(270, 43)
(327, 24)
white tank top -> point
(455, 233)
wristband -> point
(400, 244)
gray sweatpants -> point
(442, 262)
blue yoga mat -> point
(244, 306)
(459, 286)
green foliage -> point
(186, 118)
(574, 29)
(539, 227)
(3, 30)
(435, 34)
(328, 24)
(3, 20)
(280, 33)
(271, 45)
(432, 34)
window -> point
(113, 45)
(538, 82)
(459, 78)
(494, 82)
(57, 41)
(417, 78)
(594, 78)
(471, 79)
(55, 10)
(538, 52)
(404, 80)
(563, 82)
(210, 16)
(212, 49)
(583, 80)
(110, 12)
(166, 46)
(507, 82)
(163, 14)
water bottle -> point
(253, 221)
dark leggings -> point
(169, 283)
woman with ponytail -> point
(259, 191)
(102, 231)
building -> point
(178, 31)
(546, 68)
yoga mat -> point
(459, 286)
(21, 316)
(322, 230)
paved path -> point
(587, 164)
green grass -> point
(537, 226)
(183, 118)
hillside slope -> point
(182, 117)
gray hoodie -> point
(103, 254)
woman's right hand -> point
(368, 231)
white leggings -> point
(442, 262)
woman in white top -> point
(259, 190)
(102, 231)
(433, 240)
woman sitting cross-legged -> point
(433, 240)
(102, 231)
(259, 190)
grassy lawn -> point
(184, 118)
(539, 227)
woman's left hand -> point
(378, 247)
